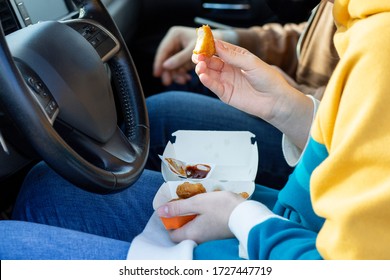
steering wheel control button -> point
(44, 98)
(39, 90)
(87, 31)
(51, 108)
(101, 39)
(37, 86)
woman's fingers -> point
(179, 207)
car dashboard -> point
(17, 14)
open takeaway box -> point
(231, 155)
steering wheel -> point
(72, 90)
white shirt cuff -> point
(243, 218)
(291, 152)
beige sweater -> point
(305, 52)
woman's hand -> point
(244, 81)
(213, 209)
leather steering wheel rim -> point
(106, 174)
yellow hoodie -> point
(350, 189)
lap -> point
(26, 240)
(82, 225)
(47, 198)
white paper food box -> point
(233, 154)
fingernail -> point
(163, 211)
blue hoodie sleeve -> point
(282, 239)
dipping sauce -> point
(184, 170)
(197, 171)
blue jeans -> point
(175, 110)
(32, 241)
(54, 219)
(103, 220)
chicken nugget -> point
(205, 41)
(188, 189)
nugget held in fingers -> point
(205, 41)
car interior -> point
(75, 75)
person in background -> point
(303, 53)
